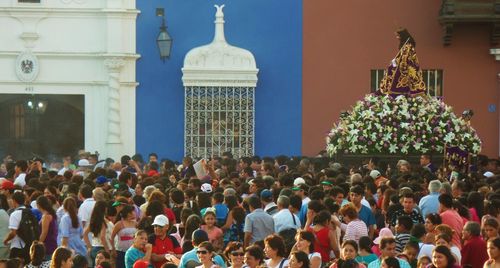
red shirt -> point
(474, 252)
(161, 247)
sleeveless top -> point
(96, 240)
(322, 243)
(51, 238)
(125, 238)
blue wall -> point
(270, 29)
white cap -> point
(207, 188)
(84, 163)
(160, 220)
(488, 174)
(375, 174)
(298, 181)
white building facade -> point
(76, 47)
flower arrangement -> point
(401, 125)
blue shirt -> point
(74, 235)
(303, 214)
(283, 220)
(132, 255)
(191, 256)
(429, 204)
(221, 211)
(366, 215)
(259, 224)
(376, 263)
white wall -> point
(72, 40)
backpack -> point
(28, 229)
(288, 236)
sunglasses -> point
(237, 253)
(203, 252)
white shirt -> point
(20, 180)
(15, 219)
(85, 211)
(283, 220)
(285, 263)
(306, 200)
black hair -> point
(406, 222)
(301, 257)
(86, 191)
(405, 37)
(365, 243)
(97, 218)
(19, 198)
(80, 261)
(418, 230)
(254, 202)
(447, 253)
(446, 200)
(391, 262)
(434, 218)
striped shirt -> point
(401, 241)
(355, 230)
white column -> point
(114, 66)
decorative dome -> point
(219, 63)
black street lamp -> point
(164, 40)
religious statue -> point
(403, 76)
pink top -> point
(214, 234)
(452, 218)
(473, 215)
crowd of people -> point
(247, 212)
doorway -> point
(46, 126)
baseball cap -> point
(299, 181)
(160, 220)
(101, 180)
(375, 174)
(7, 185)
(266, 194)
(84, 163)
(326, 183)
(207, 188)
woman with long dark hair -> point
(193, 222)
(404, 76)
(475, 202)
(61, 258)
(442, 258)
(275, 250)
(48, 224)
(305, 243)
(124, 230)
(70, 228)
(365, 253)
(153, 209)
(100, 231)
(37, 255)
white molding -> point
(495, 52)
(75, 42)
(219, 61)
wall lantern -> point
(164, 40)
